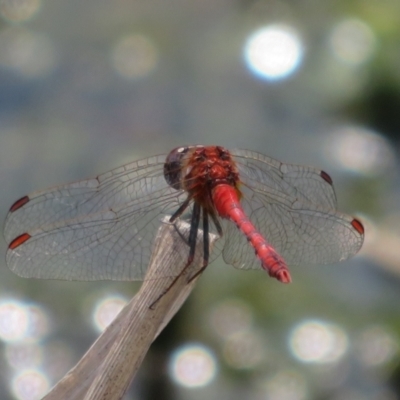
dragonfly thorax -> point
(198, 169)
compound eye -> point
(173, 167)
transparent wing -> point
(95, 229)
(269, 176)
(294, 208)
(69, 201)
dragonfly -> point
(267, 215)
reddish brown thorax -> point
(206, 168)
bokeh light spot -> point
(106, 310)
(21, 321)
(285, 385)
(192, 366)
(28, 53)
(231, 317)
(22, 355)
(353, 42)
(360, 150)
(30, 385)
(19, 10)
(244, 350)
(14, 320)
(376, 346)
(39, 324)
(273, 52)
(134, 56)
(318, 342)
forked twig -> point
(109, 366)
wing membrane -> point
(269, 176)
(300, 234)
(111, 244)
(294, 208)
(95, 229)
(111, 189)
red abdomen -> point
(227, 203)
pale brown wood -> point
(109, 366)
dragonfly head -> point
(174, 166)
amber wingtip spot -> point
(326, 177)
(19, 203)
(283, 276)
(19, 240)
(358, 226)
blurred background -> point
(88, 86)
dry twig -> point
(109, 366)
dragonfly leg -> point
(194, 228)
(206, 239)
(178, 213)
(206, 245)
(216, 222)
(181, 209)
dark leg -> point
(206, 245)
(206, 239)
(216, 222)
(194, 228)
(181, 209)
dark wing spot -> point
(326, 177)
(19, 203)
(21, 239)
(358, 226)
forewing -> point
(66, 202)
(306, 184)
(101, 228)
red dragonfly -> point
(103, 228)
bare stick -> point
(107, 369)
